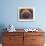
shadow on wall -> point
(2, 26)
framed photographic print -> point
(26, 14)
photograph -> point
(26, 14)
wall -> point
(9, 13)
